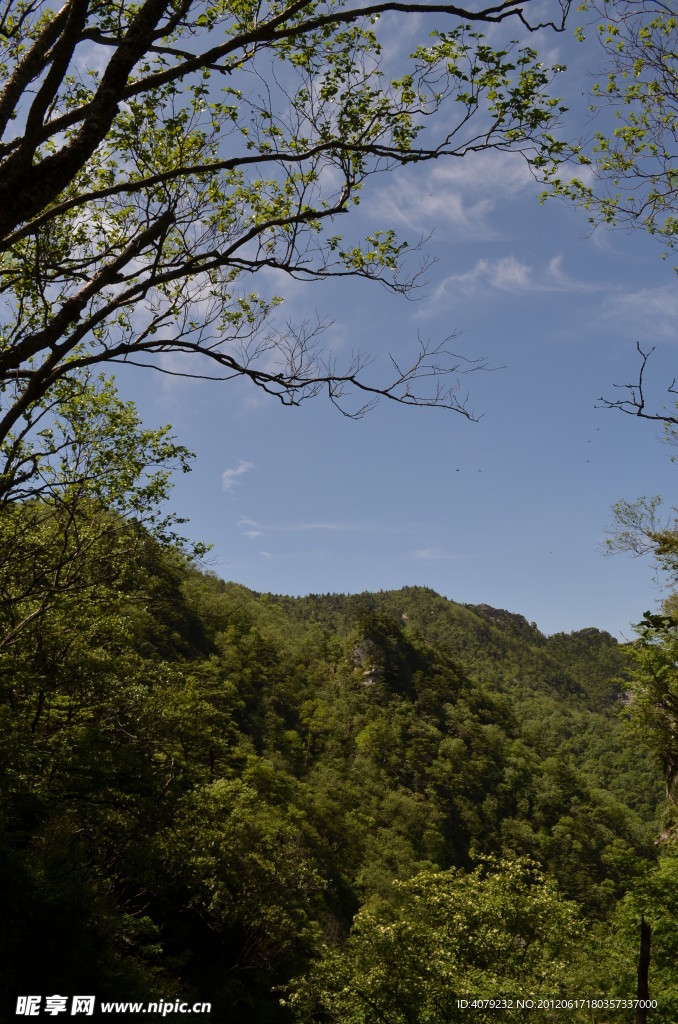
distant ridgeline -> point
(203, 786)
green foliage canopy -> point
(502, 930)
(634, 162)
(79, 494)
(202, 787)
(653, 690)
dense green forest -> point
(334, 808)
(372, 809)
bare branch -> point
(635, 402)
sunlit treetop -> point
(631, 169)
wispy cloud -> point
(329, 526)
(651, 301)
(510, 274)
(500, 174)
(460, 194)
(558, 280)
(652, 311)
(434, 555)
(505, 274)
(421, 210)
(229, 477)
(253, 528)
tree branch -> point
(635, 403)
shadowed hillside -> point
(203, 785)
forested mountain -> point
(204, 788)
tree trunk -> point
(643, 969)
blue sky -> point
(511, 510)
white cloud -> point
(332, 527)
(421, 210)
(650, 310)
(510, 274)
(304, 527)
(501, 174)
(433, 555)
(229, 477)
(556, 279)
(505, 274)
(661, 302)
(460, 193)
(256, 528)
